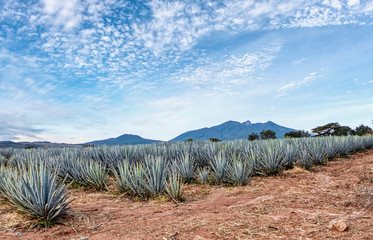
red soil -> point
(295, 205)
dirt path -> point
(296, 205)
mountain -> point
(232, 130)
(125, 139)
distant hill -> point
(7, 144)
(232, 130)
(125, 139)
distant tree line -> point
(264, 135)
(330, 129)
(335, 129)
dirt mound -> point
(298, 204)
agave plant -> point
(155, 175)
(239, 171)
(346, 145)
(37, 191)
(174, 187)
(3, 160)
(96, 174)
(330, 148)
(185, 166)
(84, 172)
(316, 153)
(219, 168)
(304, 159)
(271, 159)
(2, 177)
(122, 174)
(7, 152)
(203, 175)
(290, 154)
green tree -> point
(326, 130)
(297, 134)
(363, 130)
(343, 131)
(267, 134)
(333, 129)
(253, 136)
(214, 140)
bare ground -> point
(298, 204)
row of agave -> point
(34, 179)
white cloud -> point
(368, 7)
(333, 3)
(352, 3)
(66, 13)
(229, 76)
(299, 61)
(284, 90)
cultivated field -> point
(290, 189)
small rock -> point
(338, 225)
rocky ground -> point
(330, 202)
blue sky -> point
(81, 70)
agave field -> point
(37, 181)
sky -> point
(80, 70)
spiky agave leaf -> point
(37, 192)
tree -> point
(343, 131)
(363, 130)
(189, 140)
(326, 130)
(332, 129)
(297, 134)
(267, 134)
(253, 136)
(214, 140)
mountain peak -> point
(247, 123)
